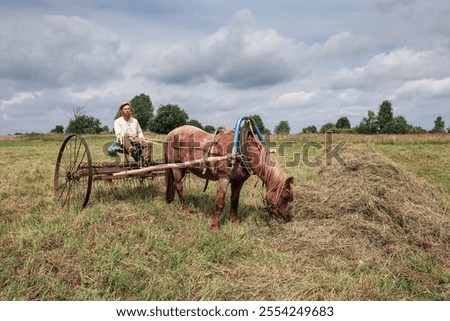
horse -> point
(188, 143)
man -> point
(127, 125)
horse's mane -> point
(269, 169)
(273, 168)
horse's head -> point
(277, 200)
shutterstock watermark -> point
(289, 152)
(309, 153)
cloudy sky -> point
(308, 62)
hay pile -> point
(371, 207)
(376, 199)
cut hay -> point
(377, 198)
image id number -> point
(303, 311)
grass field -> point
(128, 244)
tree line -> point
(171, 116)
(167, 118)
(383, 122)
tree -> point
(168, 117)
(310, 130)
(398, 125)
(369, 124)
(259, 122)
(82, 123)
(282, 128)
(343, 123)
(416, 130)
(439, 125)
(59, 129)
(328, 127)
(195, 123)
(209, 129)
(385, 115)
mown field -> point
(375, 229)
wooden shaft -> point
(171, 165)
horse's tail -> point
(170, 190)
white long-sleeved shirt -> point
(130, 127)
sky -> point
(304, 61)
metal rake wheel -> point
(73, 173)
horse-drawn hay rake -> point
(75, 172)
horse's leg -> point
(222, 186)
(178, 175)
(235, 192)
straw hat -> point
(123, 104)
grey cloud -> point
(56, 51)
(237, 55)
(385, 6)
(419, 24)
(344, 46)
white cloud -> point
(297, 98)
(427, 88)
(18, 98)
(393, 68)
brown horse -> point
(188, 143)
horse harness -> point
(242, 155)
